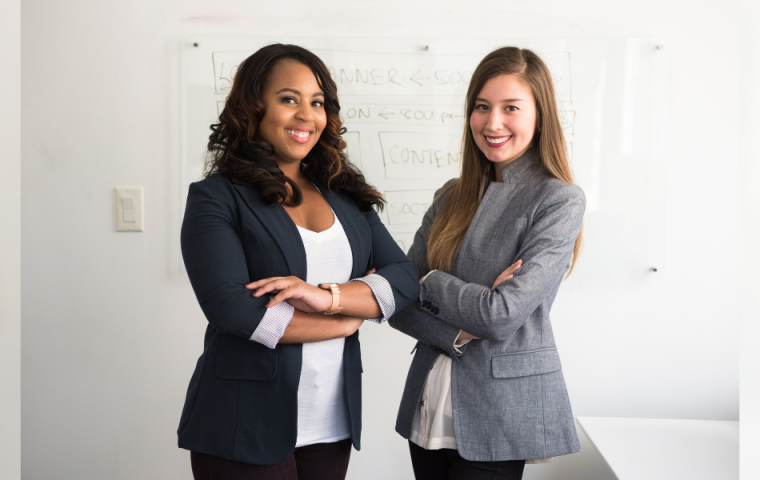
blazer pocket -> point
(259, 364)
(524, 364)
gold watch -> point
(333, 288)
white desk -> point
(654, 449)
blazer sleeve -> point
(545, 252)
(391, 264)
(415, 321)
(216, 265)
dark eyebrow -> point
(506, 100)
(318, 94)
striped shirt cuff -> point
(273, 324)
(383, 293)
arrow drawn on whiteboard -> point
(421, 78)
(384, 114)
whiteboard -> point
(402, 101)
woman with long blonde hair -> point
(485, 391)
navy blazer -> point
(242, 400)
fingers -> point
(370, 272)
(466, 336)
(513, 268)
(263, 281)
(283, 295)
(271, 287)
(500, 279)
(310, 298)
(507, 274)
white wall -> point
(10, 236)
(110, 325)
(750, 232)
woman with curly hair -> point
(287, 257)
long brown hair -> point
(450, 226)
(237, 151)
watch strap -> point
(334, 289)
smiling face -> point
(504, 120)
(295, 114)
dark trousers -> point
(321, 461)
(446, 464)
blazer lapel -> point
(279, 225)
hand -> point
(425, 276)
(507, 274)
(467, 336)
(306, 298)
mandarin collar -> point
(523, 168)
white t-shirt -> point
(322, 410)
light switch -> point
(128, 205)
(129, 210)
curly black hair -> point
(237, 151)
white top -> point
(322, 410)
(433, 422)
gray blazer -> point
(508, 394)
